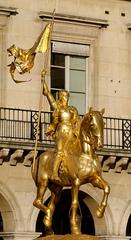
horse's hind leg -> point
(102, 184)
(38, 202)
(55, 196)
(74, 220)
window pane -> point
(57, 78)
(77, 81)
(78, 63)
(55, 94)
(78, 100)
(58, 59)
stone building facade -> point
(95, 36)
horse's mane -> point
(86, 133)
(85, 125)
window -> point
(69, 71)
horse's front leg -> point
(55, 196)
(38, 202)
(102, 184)
(74, 220)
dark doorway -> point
(1, 223)
(1, 226)
(61, 216)
(128, 228)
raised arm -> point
(49, 96)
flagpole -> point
(43, 74)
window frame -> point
(67, 69)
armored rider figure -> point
(64, 126)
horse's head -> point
(96, 127)
(91, 130)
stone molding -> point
(19, 235)
(129, 26)
(8, 11)
(111, 160)
(5, 13)
(100, 23)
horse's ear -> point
(102, 111)
(90, 109)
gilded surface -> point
(24, 58)
(73, 162)
(69, 237)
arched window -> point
(128, 228)
(1, 226)
(1, 223)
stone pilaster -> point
(5, 13)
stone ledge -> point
(100, 23)
(117, 161)
(8, 11)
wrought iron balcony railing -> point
(21, 125)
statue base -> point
(69, 237)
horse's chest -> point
(88, 166)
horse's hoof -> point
(49, 231)
(47, 222)
(37, 203)
(75, 230)
(48, 219)
(99, 213)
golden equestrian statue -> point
(73, 162)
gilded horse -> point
(81, 165)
